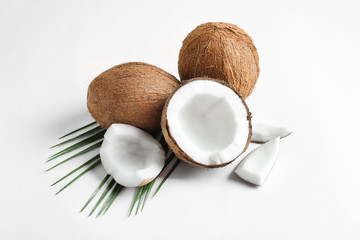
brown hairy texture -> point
(131, 93)
(172, 142)
(222, 51)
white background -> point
(309, 81)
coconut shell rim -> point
(172, 142)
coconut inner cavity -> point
(131, 155)
(208, 121)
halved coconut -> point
(206, 123)
(131, 156)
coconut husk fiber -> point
(221, 51)
(131, 93)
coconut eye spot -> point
(208, 121)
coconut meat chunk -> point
(256, 166)
(262, 133)
(130, 155)
(208, 121)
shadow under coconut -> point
(185, 170)
(234, 177)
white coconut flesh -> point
(263, 132)
(130, 155)
(208, 121)
(256, 166)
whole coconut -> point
(131, 93)
(222, 51)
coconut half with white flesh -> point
(206, 123)
(131, 156)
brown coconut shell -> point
(131, 93)
(222, 51)
(172, 142)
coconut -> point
(131, 93)
(206, 123)
(222, 51)
(257, 165)
(262, 133)
(131, 156)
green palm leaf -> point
(97, 157)
(82, 143)
(148, 190)
(141, 198)
(79, 129)
(81, 174)
(96, 191)
(135, 199)
(92, 147)
(112, 190)
(103, 195)
(111, 198)
(143, 192)
(167, 175)
(91, 131)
